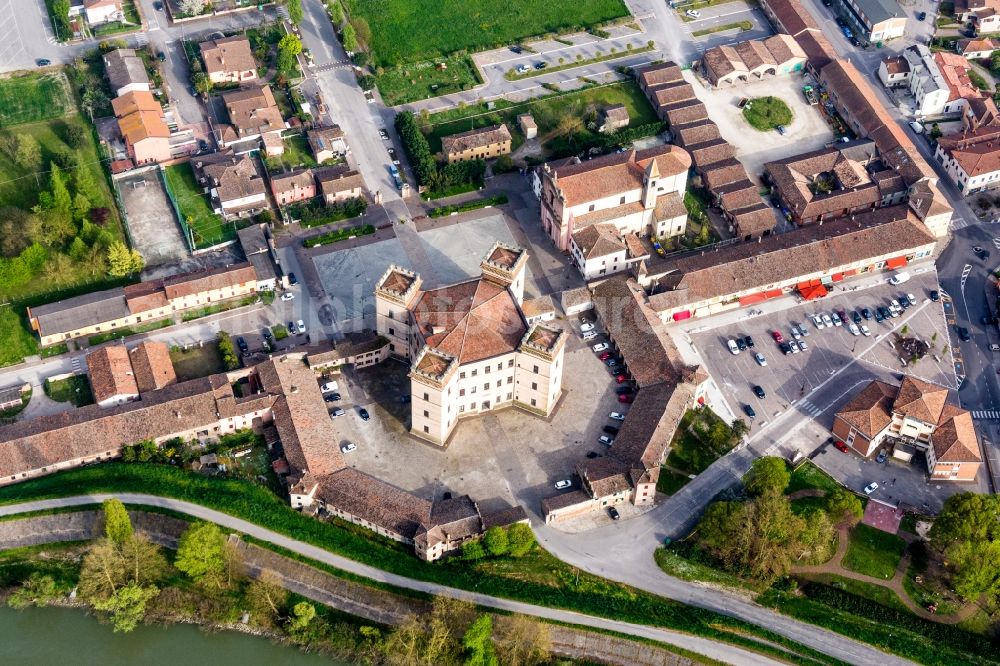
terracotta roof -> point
(476, 138)
(697, 132)
(701, 275)
(741, 194)
(755, 54)
(322, 138)
(955, 70)
(783, 48)
(196, 282)
(976, 45)
(711, 152)
(598, 240)
(723, 173)
(720, 61)
(291, 181)
(792, 16)
(869, 411)
(533, 307)
(504, 517)
(651, 423)
(954, 440)
(754, 219)
(145, 296)
(977, 152)
(471, 320)
(687, 111)
(504, 256)
(604, 476)
(608, 214)
(795, 179)
(818, 49)
(232, 176)
(920, 400)
(616, 113)
(653, 75)
(110, 373)
(397, 281)
(137, 100)
(337, 179)
(896, 65)
(252, 110)
(617, 173)
(669, 206)
(671, 93)
(152, 366)
(450, 520)
(232, 54)
(375, 501)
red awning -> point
(802, 286)
(837, 277)
(683, 314)
(774, 293)
(819, 291)
(853, 271)
(753, 298)
(896, 262)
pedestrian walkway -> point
(988, 414)
(809, 408)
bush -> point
(473, 550)
(442, 211)
(229, 356)
(315, 214)
(338, 235)
(495, 541)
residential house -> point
(339, 184)
(233, 182)
(112, 381)
(151, 366)
(527, 124)
(100, 12)
(651, 76)
(982, 15)
(326, 143)
(143, 127)
(872, 21)
(939, 82)
(293, 186)
(894, 71)
(477, 144)
(258, 247)
(126, 72)
(915, 416)
(976, 49)
(252, 113)
(792, 18)
(598, 249)
(228, 60)
(614, 118)
(469, 348)
(971, 158)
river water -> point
(60, 636)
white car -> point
(761, 361)
(616, 416)
(337, 412)
(301, 326)
(803, 345)
(733, 349)
(564, 484)
(587, 327)
(287, 296)
(521, 69)
(693, 13)
(826, 320)
(853, 328)
(865, 331)
(796, 333)
(600, 346)
(347, 448)
(818, 321)
(836, 319)
(590, 335)
(604, 439)
(871, 487)
(329, 387)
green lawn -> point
(547, 112)
(75, 389)
(297, 153)
(131, 15)
(33, 97)
(766, 113)
(404, 31)
(693, 449)
(18, 341)
(670, 481)
(676, 565)
(742, 26)
(805, 504)
(414, 81)
(197, 362)
(207, 227)
(128, 331)
(873, 552)
(808, 475)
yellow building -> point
(478, 144)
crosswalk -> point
(958, 223)
(332, 65)
(986, 414)
(77, 366)
(809, 408)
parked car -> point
(878, 314)
(522, 69)
(803, 345)
(818, 321)
(587, 327)
(693, 13)
(916, 127)
(733, 349)
(803, 331)
(347, 448)
(622, 378)
(741, 344)
(600, 346)
(302, 326)
(203, 145)
(853, 328)
(288, 296)
(866, 313)
(871, 487)
(329, 387)
(613, 512)
(623, 390)
(158, 6)
(761, 361)
(795, 346)
(590, 335)
(331, 397)
(963, 334)
(837, 321)
(880, 458)
(911, 299)
(795, 332)
(161, 56)
(785, 348)
(921, 16)
(541, 65)
(626, 398)
(748, 410)
(363, 413)
(935, 295)
(242, 344)
(266, 332)
(856, 317)
(337, 412)
(780, 129)
(515, 49)
(43, 62)
(564, 484)
(748, 341)
(899, 278)
(605, 440)
(865, 331)
(292, 280)
(777, 337)
(291, 328)
(616, 416)
(610, 430)
(826, 320)
(613, 362)
(759, 392)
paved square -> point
(151, 221)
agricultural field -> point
(32, 97)
(403, 31)
(561, 118)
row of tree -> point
(425, 167)
(967, 532)
(128, 579)
(514, 541)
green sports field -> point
(33, 97)
(416, 30)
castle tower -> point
(395, 294)
(504, 265)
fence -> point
(185, 229)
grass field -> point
(75, 389)
(33, 97)
(808, 475)
(692, 450)
(873, 552)
(18, 341)
(669, 481)
(404, 31)
(547, 112)
(766, 113)
(197, 362)
(414, 81)
(208, 228)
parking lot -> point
(787, 379)
(499, 458)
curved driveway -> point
(719, 651)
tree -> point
(38, 590)
(349, 38)
(495, 541)
(362, 31)
(228, 352)
(521, 539)
(302, 614)
(266, 598)
(29, 153)
(522, 641)
(966, 517)
(478, 643)
(73, 134)
(202, 84)
(81, 207)
(336, 13)
(842, 504)
(294, 11)
(117, 523)
(123, 261)
(768, 475)
(191, 7)
(977, 568)
(201, 554)
(94, 99)
(127, 606)
(61, 200)
(18, 228)
(290, 43)
(473, 550)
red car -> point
(840, 445)
(777, 336)
(621, 379)
(605, 356)
(626, 397)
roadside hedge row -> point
(338, 235)
(562, 586)
(417, 149)
(442, 211)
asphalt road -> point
(719, 651)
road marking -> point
(996, 243)
(965, 274)
(986, 414)
(957, 223)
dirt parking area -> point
(500, 458)
(154, 231)
(807, 131)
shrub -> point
(495, 541)
(416, 147)
(442, 211)
(229, 357)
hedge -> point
(416, 147)
(338, 235)
(476, 204)
(314, 215)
